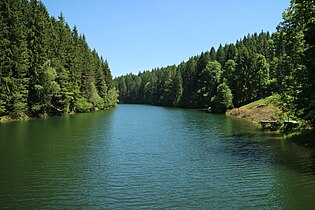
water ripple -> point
(144, 157)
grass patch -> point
(271, 109)
(266, 109)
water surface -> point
(144, 157)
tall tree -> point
(260, 79)
(45, 88)
(295, 75)
(5, 70)
(209, 79)
(223, 99)
(304, 17)
(189, 82)
(38, 24)
(213, 54)
(221, 57)
(14, 59)
(177, 88)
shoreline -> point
(255, 112)
(268, 109)
(24, 117)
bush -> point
(82, 105)
(223, 100)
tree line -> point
(47, 68)
(208, 79)
(236, 74)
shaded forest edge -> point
(47, 68)
(233, 75)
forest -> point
(236, 74)
(47, 68)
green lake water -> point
(144, 157)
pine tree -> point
(5, 52)
(221, 57)
(14, 59)
(189, 84)
(177, 88)
(213, 54)
(242, 93)
(304, 16)
(38, 37)
(231, 52)
(19, 89)
(295, 72)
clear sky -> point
(137, 35)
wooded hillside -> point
(47, 68)
(236, 74)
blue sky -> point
(137, 35)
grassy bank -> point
(264, 109)
(271, 109)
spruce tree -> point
(19, 67)
(38, 37)
(220, 56)
(5, 52)
(213, 54)
(189, 83)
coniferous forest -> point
(148, 157)
(232, 75)
(47, 68)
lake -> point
(144, 157)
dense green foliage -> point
(46, 68)
(297, 33)
(236, 74)
(208, 80)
